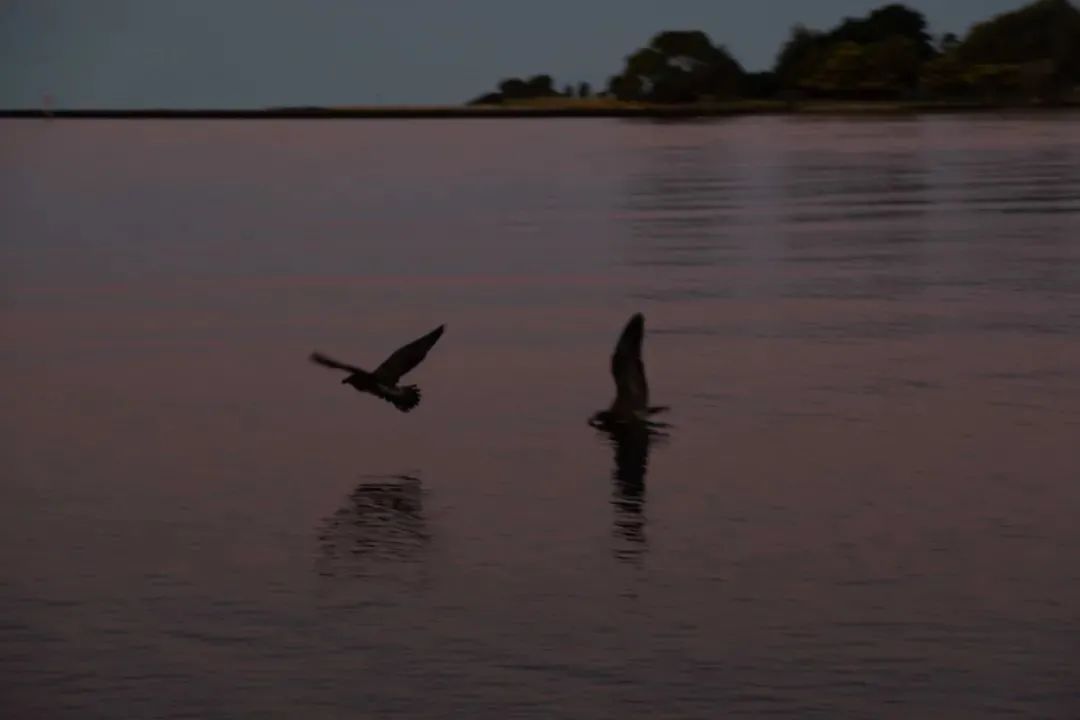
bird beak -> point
(345, 380)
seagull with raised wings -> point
(631, 404)
(383, 382)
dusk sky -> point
(254, 53)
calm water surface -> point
(867, 506)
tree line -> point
(1031, 53)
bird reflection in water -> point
(381, 521)
(631, 443)
(630, 429)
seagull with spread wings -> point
(383, 382)
(631, 404)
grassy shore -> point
(565, 107)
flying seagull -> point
(631, 404)
(383, 383)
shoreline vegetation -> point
(887, 59)
(566, 108)
(885, 63)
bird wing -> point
(631, 388)
(405, 359)
(321, 359)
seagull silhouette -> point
(383, 382)
(631, 404)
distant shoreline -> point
(552, 110)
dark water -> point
(868, 330)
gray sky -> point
(254, 53)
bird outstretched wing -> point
(320, 359)
(405, 359)
(631, 388)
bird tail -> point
(407, 397)
(656, 409)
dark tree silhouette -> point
(885, 23)
(761, 85)
(517, 89)
(678, 66)
(1043, 30)
(513, 89)
(799, 56)
(1033, 52)
(880, 55)
(540, 86)
(948, 43)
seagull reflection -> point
(382, 520)
(631, 444)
